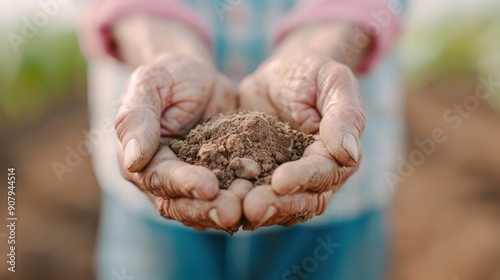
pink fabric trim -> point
(360, 12)
(102, 14)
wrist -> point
(142, 39)
(335, 40)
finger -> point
(343, 120)
(240, 187)
(167, 177)
(263, 207)
(316, 171)
(223, 99)
(224, 212)
(137, 122)
(254, 96)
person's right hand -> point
(167, 97)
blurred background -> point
(446, 214)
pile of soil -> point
(242, 144)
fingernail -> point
(132, 153)
(214, 215)
(349, 144)
(271, 211)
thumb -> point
(138, 120)
(223, 98)
(254, 95)
(342, 120)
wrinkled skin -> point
(170, 95)
(166, 98)
(319, 96)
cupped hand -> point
(167, 97)
(318, 96)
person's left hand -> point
(318, 96)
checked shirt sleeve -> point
(96, 39)
(379, 19)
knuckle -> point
(343, 70)
(160, 205)
(163, 209)
(160, 209)
(298, 89)
(172, 212)
(119, 128)
(323, 199)
(150, 76)
(339, 176)
(339, 70)
(141, 179)
(168, 71)
(183, 68)
(121, 120)
(350, 113)
(335, 74)
(355, 115)
(149, 181)
(124, 113)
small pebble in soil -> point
(242, 144)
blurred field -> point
(57, 220)
(43, 111)
(447, 214)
